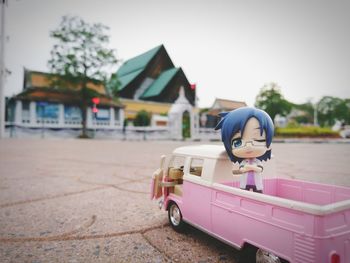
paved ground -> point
(88, 200)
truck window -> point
(196, 166)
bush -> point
(306, 131)
(142, 118)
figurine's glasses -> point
(239, 143)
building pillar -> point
(61, 115)
(175, 125)
(111, 117)
(89, 121)
(32, 113)
(121, 117)
(194, 124)
(18, 112)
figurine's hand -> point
(252, 167)
(243, 169)
(236, 171)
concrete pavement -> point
(88, 200)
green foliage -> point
(204, 110)
(142, 118)
(81, 56)
(271, 100)
(305, 119)
(80, 53)
(293, 124)
(305, 131)
(330, 109)
(307, 110)
(347, 117)
(186, 125)
(113, 85)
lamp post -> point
(315, 114)
(2, 70)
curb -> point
(312, 140)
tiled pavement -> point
(88, 200)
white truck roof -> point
(207, 151)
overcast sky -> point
(229, 48)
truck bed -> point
(309, 197)
(306, 220)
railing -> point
(73, 122)
(208, 134)
(146, 133)
(47, 121)
(100, 123)
(101, 129)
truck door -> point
(196, 195)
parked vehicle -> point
(296, 221)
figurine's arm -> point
(243, 167)
(246, 167)
(240, 170)
(253, 167)
(237, 172)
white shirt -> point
(257, 176)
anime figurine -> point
(247, 134)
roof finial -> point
(182, 92)
(182, 98)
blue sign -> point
(42, 103)
(47, 110)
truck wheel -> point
(252, 254)
(263, 256)
(175, 217)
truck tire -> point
(252, 254)
(175, 217)
(263, 256)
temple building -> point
(41, 105)
(151, 79)
(148, 82)
(211, 117)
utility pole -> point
(2, 70)
(315, 114)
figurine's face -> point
(250, 144)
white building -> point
(43, 109)
(183, 120)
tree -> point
(307, 112)
(271, 100)
(330, 109)
(113, 85)
(81, 56)
(347, 104)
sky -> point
(229, 48)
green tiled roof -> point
(126, 79)
(138, 62)
(134, 66)
(159, 84)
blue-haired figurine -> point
(247, 134)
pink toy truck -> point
(295, 221)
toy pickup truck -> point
(296, 221)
